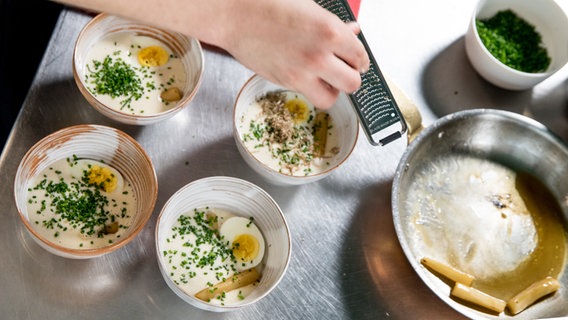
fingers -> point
(340, 63)
(321, 94)
(342, 69)
(352, 50)
(354, 26)
(340, 75)
(337, 72)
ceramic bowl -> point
(103, 144)
(345, 124)
(238, 197)
(185, 56)
(549, 21)
(467, 193)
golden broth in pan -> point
(548, 257)
(504, 228)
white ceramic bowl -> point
(99, 143)
(241, 198)
(549, 20)
(187, 49)
(345, 122)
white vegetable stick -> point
(321, 123)
(531, 294)
(236, 281)
(478, 297)
(448, 271)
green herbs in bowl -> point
(514, 42)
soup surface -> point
(80, 204)
(503, 227)
(209, 246)
(289, 135)
(133, 73)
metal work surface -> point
(346, 259)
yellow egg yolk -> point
(245, 247)
(298, 109)
(153, 56)
(103, 178)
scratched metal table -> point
(346, 260)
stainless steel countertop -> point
(346, 260)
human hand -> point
(294, 43)
(299, 45)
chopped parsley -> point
(513, 41)
(195, 247)
(75, 203)
(202, 227)
(115, 78)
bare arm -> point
(294, 43)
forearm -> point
(205, 20)
(295, 43)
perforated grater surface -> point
(374, 103)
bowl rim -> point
(87, 252)
(213, 180)
(265, 167)
(125, 117)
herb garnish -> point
(513, 41)
(201, 226)
(116, 78)
(291, 144)
(78, 203)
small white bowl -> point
(187, 49)
(241, 198)
(550, 22)
(345, 122)
(94, 142)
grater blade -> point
(374, 103)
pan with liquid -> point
(485, 191)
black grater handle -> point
(374, 103)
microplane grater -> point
(373, 101)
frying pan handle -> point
(409, 110)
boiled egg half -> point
(246, 241)
(105, 177)
(298, 107)
(153, 56)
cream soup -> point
(199, 255)
(289, 135)
(134, 74)
(80, 203)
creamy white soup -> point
(214, 255)
(288, 134)
(134, 74)
(80, 204)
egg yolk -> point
(245, 247)
(298, 109)
(103, 178)
(153, 56)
